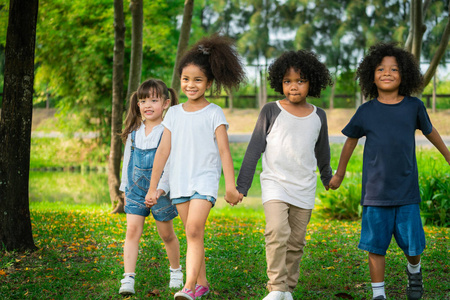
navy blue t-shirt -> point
(390, 174)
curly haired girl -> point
(196, 138)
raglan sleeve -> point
(254, 150)
(322, 150)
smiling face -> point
(194, 83)
(295, 88)
(387, 75)
(152, 107)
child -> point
(292, 136)
(142, 133)
(390, 189)
(195, 136)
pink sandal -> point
(184, 294)
(201, 290)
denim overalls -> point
(139, 174)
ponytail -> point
(173, 97)
(133, 118)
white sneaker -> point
(288, 296)
(176, 278)
(127, 287)
(275, 295)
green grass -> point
(80, 243)
(80, 257)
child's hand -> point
(151, 198)
(241, 196)
(232, 197)
(335, 181)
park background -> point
(79, 242)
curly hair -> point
(218, 58)
(154, 87)
(305, 62)
(410, 75)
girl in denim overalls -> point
(143, 131)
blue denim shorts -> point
(162, 211)
(195, 196)
(379, 223)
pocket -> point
(141, 178)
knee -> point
(194, 232)
(279, 234)
(168, 237)
(133, 232)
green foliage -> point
(434, 178)
(342, 204)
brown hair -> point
(218, 58)
(153, 87)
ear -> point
(209, 84)
(166, 104)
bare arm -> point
(346, 153)
(161, 156)
(437, 141)
(231, 194)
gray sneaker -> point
(381, 297)
(414, 290)
(127, 287)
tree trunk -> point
(439, 53)
(333, 91)
(433, 106)
(230, 99)
(15, 126)
(183, 41)
(115, 153)
(137, 15)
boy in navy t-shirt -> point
(390, 189)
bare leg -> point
(376, 266)
(413, 260)
(194, 214)
(167, 234)
(135, 226)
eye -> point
(286, 81)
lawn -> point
(80, 257)
(80, 243)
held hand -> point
(232, 197)
(151, 198)
(335, 181)
(241, 196)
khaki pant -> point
(285, 238)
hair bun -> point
(204, 50)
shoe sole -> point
(126, 292)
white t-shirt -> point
(292, 148)
(144, 142)
(195, 164)
(290, 156)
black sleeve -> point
(256, 146)
(322, 150)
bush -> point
(342, 204)
(435, 194)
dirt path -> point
(244, 120)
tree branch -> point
(438, 54)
